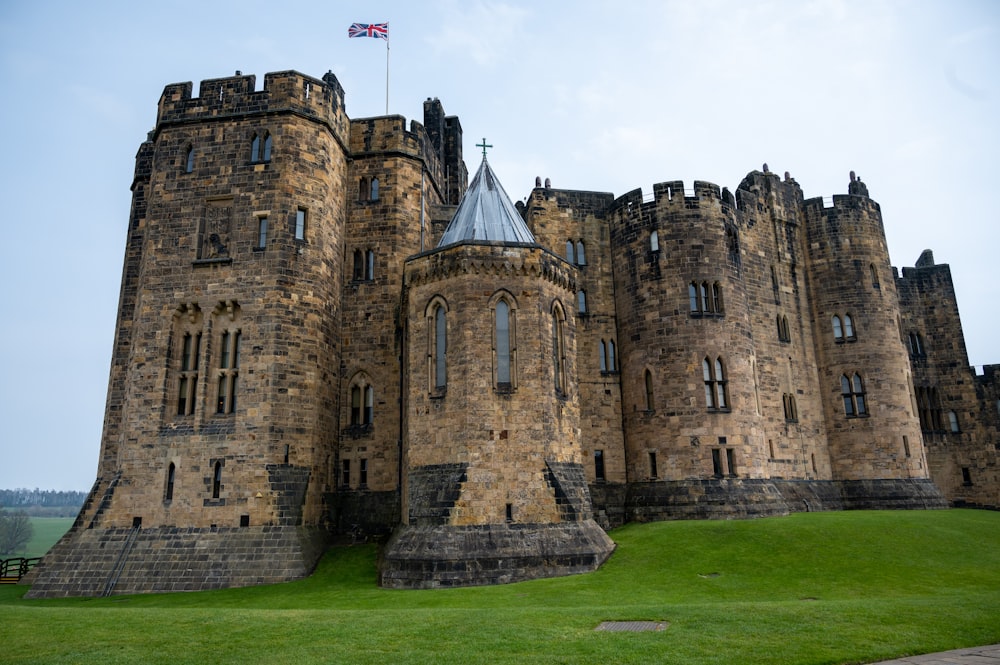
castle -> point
(326, 331)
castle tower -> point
(864, 372)
(787, 390)
(395, 175)
(688, 378)
(573, 224)
(958, 410)
(222, 398)
(494, 489)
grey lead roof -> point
(486, 214)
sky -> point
(607, 96)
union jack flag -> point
(377, 30)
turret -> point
(863, 368)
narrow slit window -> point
(440, 348)
(300, 224)
(267, 148)
(168, 494)
(503, 344)
(217, 480)
(649, 390)
(261, 232)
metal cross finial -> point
(484, 145)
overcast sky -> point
(606, 96)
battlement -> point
(287, 91)
(387, 134)
(673, 194)
(838, 203)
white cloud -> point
(484, 32)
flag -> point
(377, 30)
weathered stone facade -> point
(687, 354)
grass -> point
(812, 588)
(46, 531)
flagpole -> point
(387, 74)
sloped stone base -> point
(727, 498)
(427, 557)
(892, 494)
(741, 498)
(175, 559)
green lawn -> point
(847, 587)
(47, 530)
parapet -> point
(234, 96)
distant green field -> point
(811, 588)
(47, 530)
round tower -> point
(863, 367)
(693, 442)
(494, 489)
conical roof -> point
(486, 214)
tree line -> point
(22, 497)
(42, 503)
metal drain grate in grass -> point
(631, 626)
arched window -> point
(848, 327)
(791, 410)
(217, 480)
(255, 148)
(229, 364)
(874, 273)
(374, 190)
(654, 241)
(504, 346)
(355, 405)
(612, 361)
(853, 391)
(581, 301)
(953, 422)
(570, 253)
(359, 265)
(363, 189)
(649, 391)
(168, 493)
(916, 345)
(558, 350)
(362, 402)
(369, 265)
(188, 324)
(603, 351)
(189, 160)
(838, 330)
(783, 332)
(716, 394)
(581, 258)
(440, 359)
(705, 298)
(267, 148)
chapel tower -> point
(493, 488)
